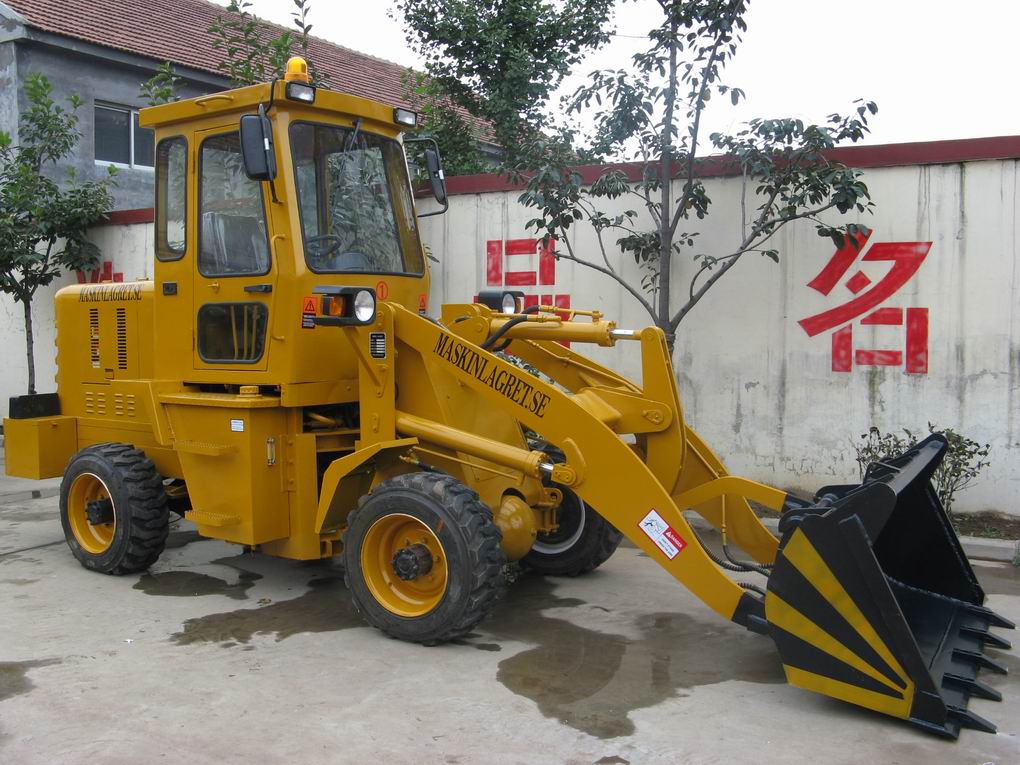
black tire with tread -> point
(598, 541)
(139, 501)
(470, 540)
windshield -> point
(355, 201)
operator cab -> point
(278, 208)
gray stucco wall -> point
(94, 80)
(9, 86)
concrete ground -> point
(216, 657)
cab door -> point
(235, 274)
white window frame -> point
(132, 117)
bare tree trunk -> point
(29, 344)
(666, 178)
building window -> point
(119, 139)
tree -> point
(500, 62)
(163, 87)
(658, 105)
(253, 53)
(43, 226)
(455, 132)
(654, 110)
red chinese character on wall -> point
(905, 259)
(104, 273)
(513, 264)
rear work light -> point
(405, 117)
(299, 91)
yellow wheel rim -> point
(403, 597)
(93, 538)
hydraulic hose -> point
(746, 564)
(752, 588)
(731, 564)
(495, 336)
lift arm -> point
(600, 467)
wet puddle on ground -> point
(326, 607)
(14, 680)
(592, 680)
(186, 584)
(585, 678)
(178, 539)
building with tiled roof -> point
(103, 50)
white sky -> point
(937, 69)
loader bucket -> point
(872, 600)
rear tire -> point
(422, 558)
(584, 541)
(113, 509)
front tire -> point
(583, 542)
(113, 509)
(422, 558)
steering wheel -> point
(322, 246)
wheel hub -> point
(404, 565)
(411, 562)
(91, 513)
(99, 511)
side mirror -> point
(257, 146)
(434, 168)
(434, 165)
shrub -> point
(964, 460)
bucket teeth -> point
(980, 660)
(975, 687)
(968, 719)
(994, 620)
(986, 637)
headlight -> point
(364, 306)
(504, 301)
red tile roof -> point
(178, 31)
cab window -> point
(171, 198)
(232, 220)
(232, 333)
(357, 214)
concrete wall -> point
(754, 383)
(762, 391)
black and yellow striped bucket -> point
(873, 601)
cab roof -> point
(247, 99)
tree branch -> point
(607, 271)
(695, 128)
(665, 231)
(745, 246)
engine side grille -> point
(122, 356)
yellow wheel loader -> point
(280, 383)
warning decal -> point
(308, 312)
(664, 536)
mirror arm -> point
(262, 114)
(446, 198)
(446, 206)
